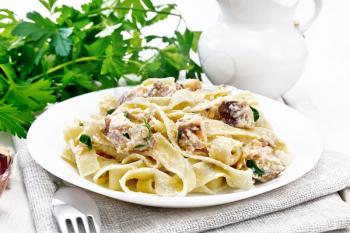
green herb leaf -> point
(11, 121)
(110, 111)
(61, 42)
(256, 113)
(112, 65)
(126, 114)
(256, 170)
(148, 126)
(126, 135)
(48, 4)
(149, 4)
(85, 139)
(140, 146)
(179, 135)
(31, 95)
(40, 28)
(164, 13)
(77, 78)
(9, 73)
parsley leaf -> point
(256, 170)
(165, 10)
(126, 114)
(11, 121)
(255, 113)
(48, 4)
(40, 29)
(74, 77)
(85, 139)
(110, 111)
(179, 135)
(140, 146)
(32, 95)
(126, 135)
(148, 126)
(61, 41)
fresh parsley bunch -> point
(43, 61)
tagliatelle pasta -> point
(171, 139)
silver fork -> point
(75, 211)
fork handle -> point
(59, 182)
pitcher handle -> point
(303, 27)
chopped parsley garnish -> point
(256, 170)
(85, 139)
(255, 113)
(147, 125)
(139, 146)
(110, 111)
(179, 135)
(126, 114)
(81, 124)
(126, 135)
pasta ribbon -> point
(173, 161)
(226, 150)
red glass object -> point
(5, 168)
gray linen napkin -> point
(306, 205)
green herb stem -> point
(146, 47)
(61, 66)
(92, 13)
(5, 80)
(135, 62)
(4, 98)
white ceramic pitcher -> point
(256, 45)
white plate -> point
(45, 142)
